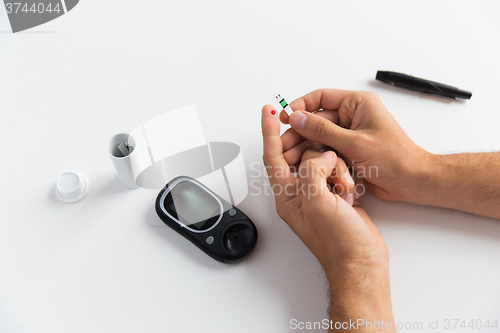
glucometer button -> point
(232, 212)
(209, 240)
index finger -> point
(277, 168)
(291, 138)
(328, 99)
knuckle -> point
(367, 96)
(321, 128)
(317, 93)
(358, 95)
(312, 167)
(308, 153)
(372, 96)
(354, 99)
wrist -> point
(466, 182)
(355, 282)
(361, 294)
(421, 178)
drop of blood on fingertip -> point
(273, 112)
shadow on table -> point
(112, 187)
(424, 218)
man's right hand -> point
(364, 133)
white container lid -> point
(71, 187)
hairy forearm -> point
(361, 301)
(468, 182)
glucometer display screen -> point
(192, 205)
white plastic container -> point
(120, 148)
(71, 187)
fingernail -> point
(298, 120)
(350, 199)
(348, 178)
(328, 154)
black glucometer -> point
(211, 223)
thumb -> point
(316, 128)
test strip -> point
(122, 147)
(281, 100)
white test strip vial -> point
(120, 148)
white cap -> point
(71, 187)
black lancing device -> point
(421, 85)
(214, 225)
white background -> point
(107, 264)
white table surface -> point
(108, 264)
